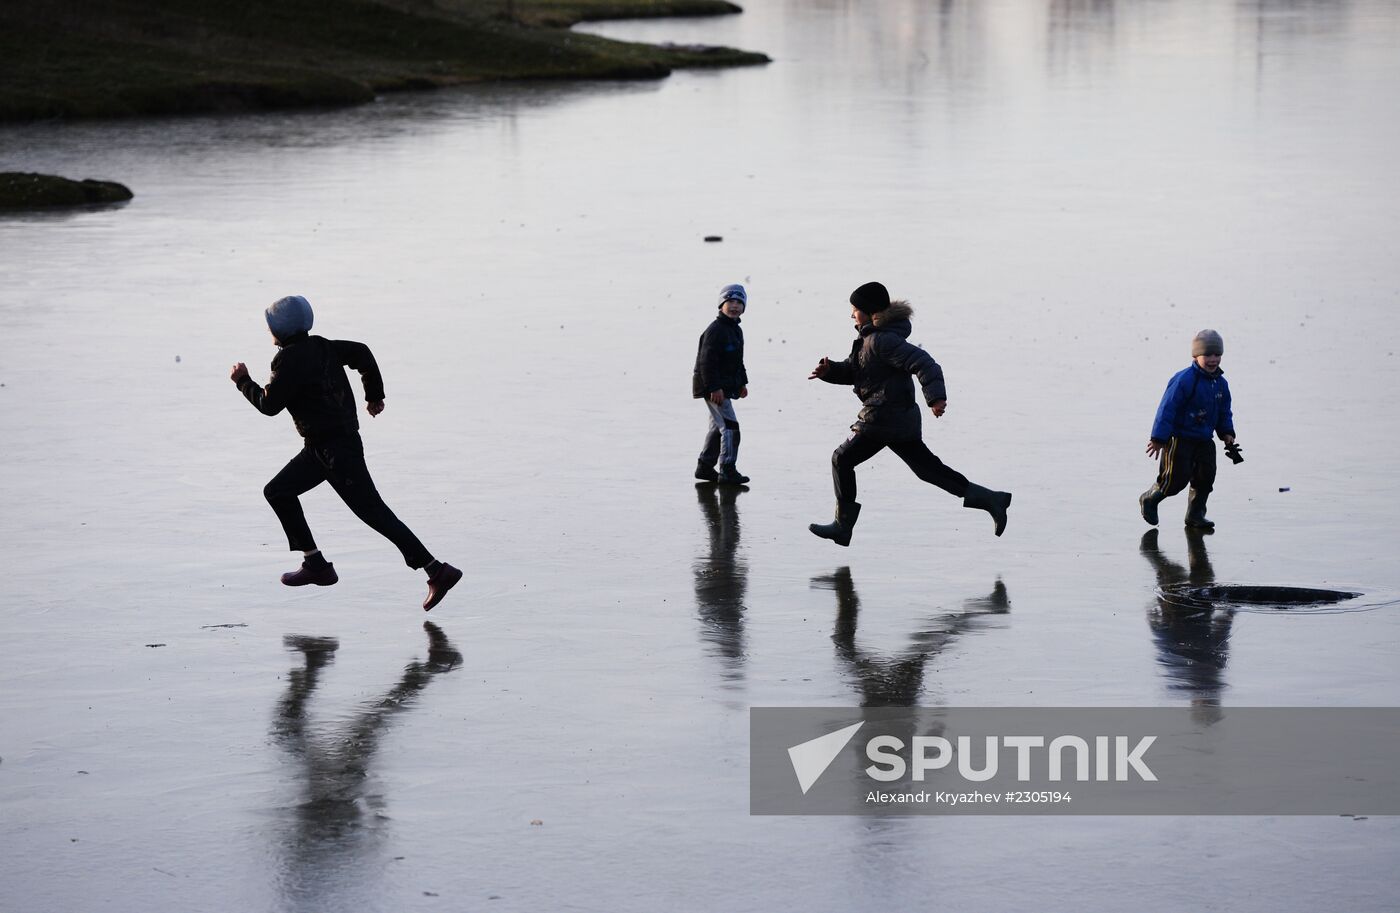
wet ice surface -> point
(1066, 193)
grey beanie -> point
(736, 292)
(1207, 342)
(289, 316)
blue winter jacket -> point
(1195, 405)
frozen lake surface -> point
(1065, 191)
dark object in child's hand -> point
(1232, 450)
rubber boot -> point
(993, 502)
(1196, 510)
(1147, 503)
(839, 531)
(729, 475)
(705, 473)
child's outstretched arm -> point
(268, 400)
(834, 372)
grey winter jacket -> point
(879, 368)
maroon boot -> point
(439, 582)
(321, 573)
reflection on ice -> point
(721, 578)
(337, 819)
(1193, 640)
(897, 680)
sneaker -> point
(705, 473)
(439, 583)
(321, 575)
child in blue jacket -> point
(1195, 406)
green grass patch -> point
(88, 58)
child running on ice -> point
(879, 367)
(308, 380)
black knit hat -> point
(872, 298)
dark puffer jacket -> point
(719, 363)
(880, 367)
(309, 381)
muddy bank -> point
(181, 56)
(27, 190)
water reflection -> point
(1079, 35)
(337, 825)
(1192, 638)
(721, 579)
(907, 44)
(898, 680)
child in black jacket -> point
(308, 379)
(880, 367)
(719, 379)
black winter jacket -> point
(309, 381)
(879, 368)
(719, 363)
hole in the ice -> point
(1264, 598)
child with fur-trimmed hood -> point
(881, 368)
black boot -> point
(993, 502)
(729, 475)
(1196, 510)
(705, 473)
(1147, 503)
(839, 531)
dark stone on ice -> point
(27, 190)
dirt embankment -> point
(113, 58)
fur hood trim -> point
(897, 311)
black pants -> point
(342, 463)
(1184, 460)
(860, 447)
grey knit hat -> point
(736, 292)
(1207, 342)
(289, 316)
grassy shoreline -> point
(122, 58)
